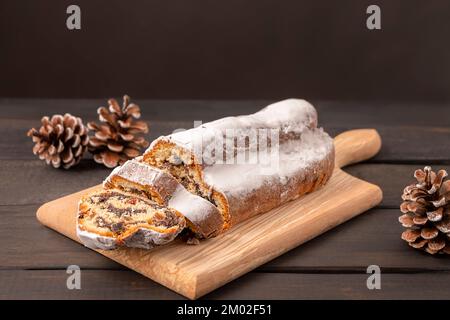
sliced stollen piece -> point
(247, 165)
(140, 179)
(108, 219)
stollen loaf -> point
(247, 165)
(210, 178)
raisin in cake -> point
(109, 218)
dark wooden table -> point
(33, 259)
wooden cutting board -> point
(196, 270)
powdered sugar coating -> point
(295, 155)
(289, 116)
(142, 238)
(144, 175)
(96, 241)
(139, 173)
(205, 217)
(148, 238)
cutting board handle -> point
(356, 145)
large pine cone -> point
(426, 209)
(61, 140)
(119, 137)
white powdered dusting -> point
(147, 238)
(291, 115)
(113, 173)
(193, 207)
(141, 238)
(197, 209)
(96, 241)
(294, 155)
(137, 172)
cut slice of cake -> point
(108, 219)
(147, 182)
(143, 181)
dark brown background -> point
(234, 49)
(215, 50)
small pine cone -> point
(426, 208)
(61, 140)
(119, 137)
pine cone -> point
(118, 138)
(61, 140)
(426, 209)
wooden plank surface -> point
(413, 134)
(391, 177)
(197, 270)
(127, 285)
(399, 141)
(350, 247)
